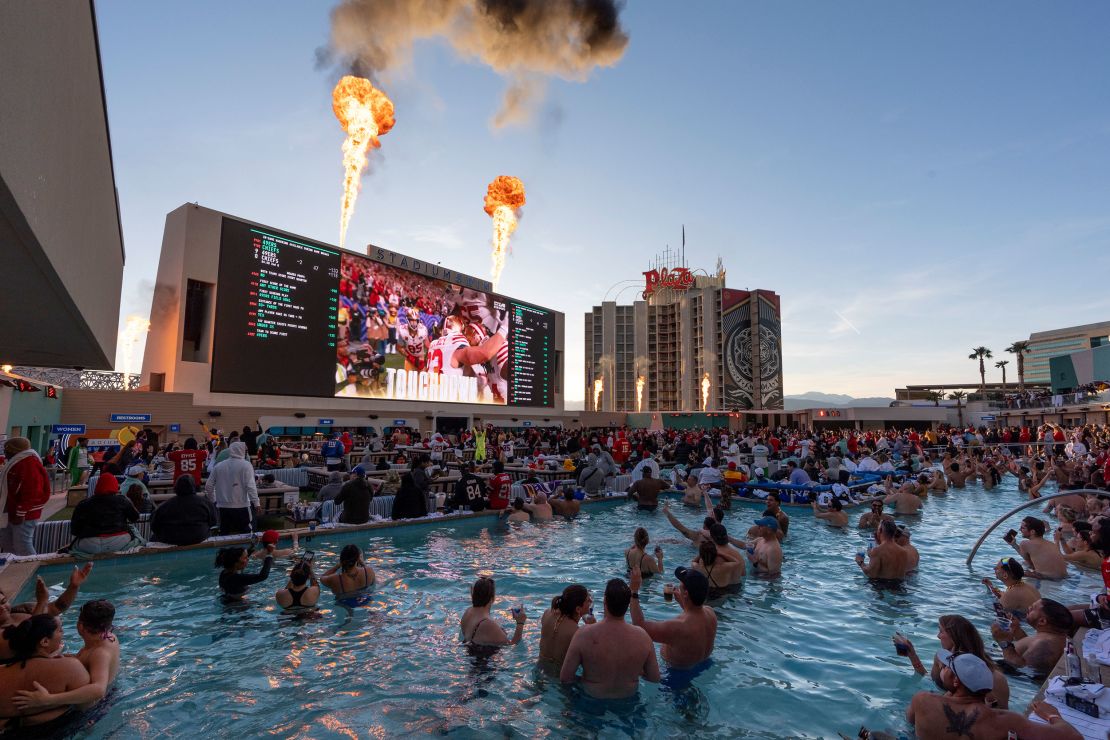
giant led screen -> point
(300, 318)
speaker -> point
(299, 414)
(214, 414)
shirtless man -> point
(1040, 651)
(15, 613)
(517, 513)
(99, 655)
(887, 561)
(567, 506)
(905, 502)
(834, 516)
(614, 655)
(871, 519)
(35, 644)
(962, 709)
(957, 477)
(687, 639)
(765, 554)
(903, 541)
(646, 490)
(1042, 557)
(774, 508)
(539, 508)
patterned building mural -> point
(752, 343)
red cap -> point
(106, 485)
(732, 466)
(270, 537)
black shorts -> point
(235, 521)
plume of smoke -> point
(524, 40)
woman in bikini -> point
(302, 591)
(351, 579)
(478, 627)
(559, 623)
(637, 557)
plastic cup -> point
(668, 592)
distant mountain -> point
(816, 399)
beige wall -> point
(55, 159)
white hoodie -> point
(231, 484)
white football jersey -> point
(443, 351)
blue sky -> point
(913, 179)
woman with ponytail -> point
(560, 622)
(36, 646)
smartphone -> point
(1009, 536)
(308, 556)
(1080, 704)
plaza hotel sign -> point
(676, 278)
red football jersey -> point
(188, 462)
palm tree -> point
(935, 396)
(1019, 349)
(1001, 364)
(958, 397)
(981, 353)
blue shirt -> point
(799, 477)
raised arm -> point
(686, 531)
(573, 658)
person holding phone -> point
(477, 625)
(1043, 558)
(302, 591)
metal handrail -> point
(1026, 505)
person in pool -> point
(637, 557)
(902, 539)
(724, 575)
(871, 519)
(233, 581)
(302, 591)
(539, 508)
(99, 655)
(961, 711)
(1042, 558)
(568, 505)
(614, 654)
(478, 627)
(12, 614)
(1019, 595)
(35, 644)
(886, 560)
(517, 513)
(559, 624)
(834, 516)
(765, 553)
(774, 508)
(1040, 651)
(958, 635)
(351, 576)
(687, 639)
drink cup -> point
(668, 592)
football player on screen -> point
(452, 353)
(491, 376)
(413, 337)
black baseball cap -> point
(695, 582)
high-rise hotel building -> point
(657, 353)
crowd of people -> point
(610, 653)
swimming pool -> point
(803, 656)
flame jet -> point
(599, 386)
(641, 381)
(365, 113)
(504, 198)
(705, 384)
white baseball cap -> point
(970, 669)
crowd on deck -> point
(608, 655)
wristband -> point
(636, 595)
(1005, 645)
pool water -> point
(806, 655)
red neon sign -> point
(678, 278)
